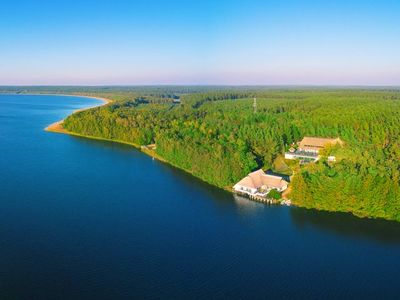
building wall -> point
(244, 189)
(309, 150)
(289, 156)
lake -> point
(87, 219)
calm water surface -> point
(84, 219)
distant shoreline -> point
(58, 127)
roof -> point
(247, 182)
(258, 179)
(316, 143)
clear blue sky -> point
(200, 42)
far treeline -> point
(217, 135)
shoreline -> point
(57, 126)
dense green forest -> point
(215, 134)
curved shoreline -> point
(57, 126)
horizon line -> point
(200, 85)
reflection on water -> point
(104, 144)
(245, 206)
(347, 225)
(340, 224)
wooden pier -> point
(258, 198)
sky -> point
(236, 42)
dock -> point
(258, 198)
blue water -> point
(85, 219)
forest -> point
(217, 135)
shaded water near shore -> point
(86, 219)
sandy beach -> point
(58, 127)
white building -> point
(259, 184)
(309, 148)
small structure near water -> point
(258, 184)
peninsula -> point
(58, 126)
(221, 135)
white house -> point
(259, 184)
